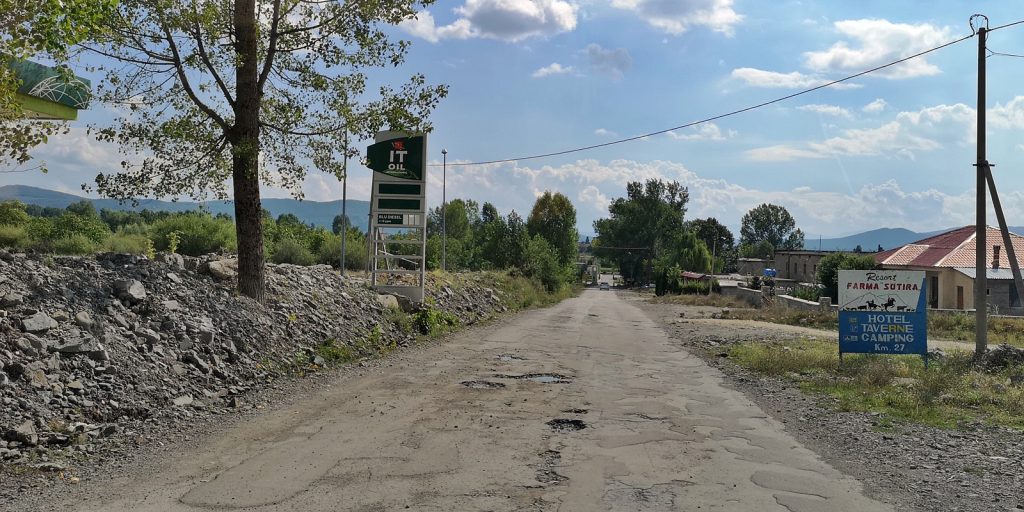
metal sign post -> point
(398, 200)
(883, 312)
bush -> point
(288, 250)
(71, 225)
(199, 233)
(122, 242)
(13, 236)
(74, 244)
(355, 252)
(12, 213)
(811, 293)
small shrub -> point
(13, 236)
(129, 244)
(74, 244)
(433, 322)
(291, 251)
(334, 352)
(400, 319)
(198, 233)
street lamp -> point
(444, 202)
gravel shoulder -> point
(978, 468)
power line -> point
(728, 114)
(993, 53)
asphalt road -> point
(640, 424)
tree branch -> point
(180, 69)
(206, 59)
(271, 48)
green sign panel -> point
(391, 218)
(398, 158)
(398, 204)
(400, 189)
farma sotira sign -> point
(882, 312)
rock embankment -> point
(97, 351)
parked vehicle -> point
(605, 286)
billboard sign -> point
(882, 312)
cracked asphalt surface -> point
(592, 408)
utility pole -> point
(444, 204)
(344, 205)
(981, 228)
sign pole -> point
(444, 203)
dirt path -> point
(622, 420)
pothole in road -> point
(576, 411)
(566, 425)
(543, 378)
(545, 474)
(510, 357)
(482, 384)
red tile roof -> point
(950, 249)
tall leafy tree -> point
(38, 28)
(554, 218)
(649, 215)
(249, 92)
(771, 223)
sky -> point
(894, 148)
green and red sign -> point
(398, 158)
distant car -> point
(605, 286)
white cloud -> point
(829, 110)
(908, 133)
(876, 42)
(594, 197)
(424, 27)
(875, 106)
(552, 69)
(604, 133)
(703, 131)
(611, 62)
(794, 80)
(505, 20)
(676, 17)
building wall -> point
(752, 266)
(800, 266)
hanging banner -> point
(882, 312)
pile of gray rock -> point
(93, 350)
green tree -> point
(84, 208)
(38, 28)
(340, 224)
(719, 239)
(830, 265)
(489, 213)
(554, 218)
(12, 213)
(244, 91)
(771, 223)
(761, 250)
(651, 213)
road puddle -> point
(566, 425)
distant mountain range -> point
(869, 241)
(317, 213)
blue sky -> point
(893, 149)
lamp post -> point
(444, 203)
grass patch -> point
(520, 292)
(787, 316)
(713, 300)
(949, 393)
(335, 353)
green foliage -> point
(649, 215)
(763, 250)
(541, 261)
(83, 208)
(553, 217)
(13, 236)
(288, 250)
(334, 352)
(12, 213)
(72, 244)
(355, 251)
(434, 322)
(805, 292)
(70, 225)
(771, 223)
(198, 232)
(122, 242)
(173, 241)
(830, 265)
(949, 393)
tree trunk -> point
(245, 148)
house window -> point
(805, 268)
